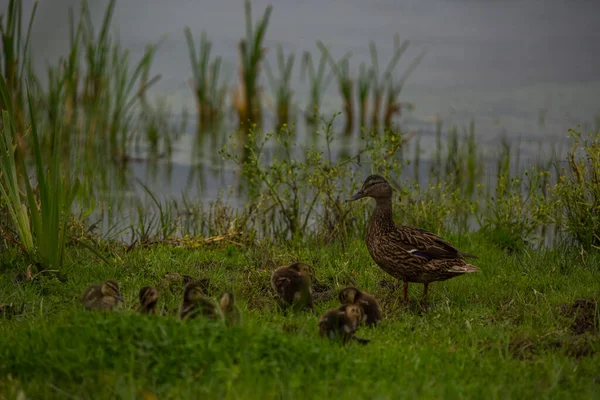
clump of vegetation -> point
(578, 189)
(247, 96)
(208, 89)
(15, 61)
(378, 79)
(282, 87)
(341, 70)
(319, 81)
(41, 215)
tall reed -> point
(341, 69)
(319, 81)
(392, 104)
(379, 79)
(14, 58)
(42, 220)
(209, 91)
(281, 85)
(363, 87)
(247, 98)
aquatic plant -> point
(14, 60)
(42, 214)
(319, 81)
(341, 70)
(281, 85)
(247, 96)
(209, 90)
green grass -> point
(494, 334)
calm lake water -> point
(525, 69)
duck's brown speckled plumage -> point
(148, 300)
(407, 253)
(293, 285)
(341, 323)
(370, 305)
(196, 304)
(102, 297)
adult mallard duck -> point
(406, 253)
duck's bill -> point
(120, 299)
(358, 195)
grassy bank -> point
(501, 333)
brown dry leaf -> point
(148, 395)
(29, 273)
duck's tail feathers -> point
(361, 340)
(467, 255)
(465, 269)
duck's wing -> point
(93, 292)
(283, 280)
(428, 245)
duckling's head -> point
(355, 313)
(302, 269)
(193, 292)
(148, 295)
(110, 288)
(227, 300)
(348, 295)
(375, 186)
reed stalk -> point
(14, 59)
(42, 214)
(365, 79)
(379, 78)
(282, 86)
(208, 90)
(341, 69)
(247, 96)
(319, 81)
(393, 106)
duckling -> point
(195, 303)
(102, 297)
(231, 312)
(148, 300)
(369, 304)
(341, 323)
(293, 284)
(174, 281)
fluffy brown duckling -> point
(195, 303)
(231, 311)
(102, 297)
(148, 300)
(369, 304)
(293, 285)
(341, 323)
(174, 281)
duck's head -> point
(355, 313)
(227, 300)
(148, 295)
(374, 186)
(110, 288)
(303, 269)
(193, 292)
(347, 295)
